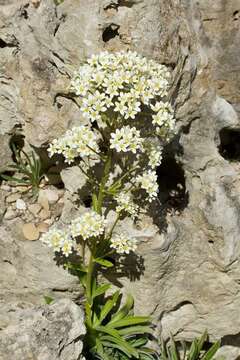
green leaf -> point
(202, 340)
(100, 350)
(138, 342)
(212, 351)
(174, 351)
(12, 178)
(101, 290)
(103, 262)
(123, 311)
(131, 320)
(134, 330)
(108, 307)
(116, 339)
(113, 345)
(48, 300)
(146, 353)
(193, 352)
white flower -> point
(54, 238)
(88, 225)
(124, 81)
(125, 203)
(123, 244)
(155, 157)
(80, 141)
(67, 246)
(126, 139)
(148, 182)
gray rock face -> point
(49, 332)
(190, 277)
(28, 273)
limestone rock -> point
(42, 227)
(48, 332)
(73, 179)
(49, 194)
(187, 269)
(10, 214)
(12, 198)
(28, 272)
(228, 352)
(34, 208)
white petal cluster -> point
(58, 240)
(80, 141)
(126, 139)
(88, 225)
(148, 182)
(123, 244)
(123, 81)
(155, 157)
(164, 115)
(126, 204)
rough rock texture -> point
(189, 279)
(49, 332)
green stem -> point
(122, 178)
(104, 180)
(98, 208)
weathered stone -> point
(30, 231)
(5, 187)
(228, 352)
(49, 194)
(44, 214)
(12, 198)
(48, 332)
(10, 214)
(22, 189)
(43, 201)
(42, 227)
(28, 272)
(189, 269)
(20, 204)
(73, 179)
(34, 208)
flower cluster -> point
(155, 156)
(59, 240)
(148, 182)
(126, 139)
(164, 115)
(123, 95)
(88, 225)
(126, 204)
(123, 244)
(80, 141)
(124, 83)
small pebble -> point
(10, 214)
(43, 201)
(34, 209)
(5, 188)
(30, 231)
(12, 198)
(42, 227)
(22, 189)
(49, 221)
(50, 195)
(44, 214)
(20, 204)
